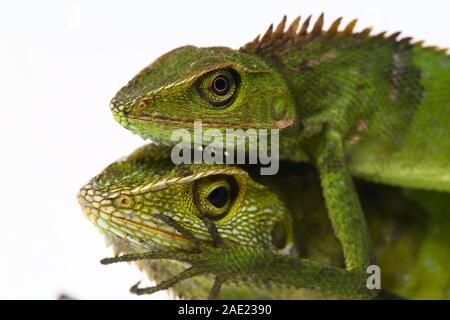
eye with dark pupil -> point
(221, 85)
(218, 197)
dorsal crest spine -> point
(296, 31)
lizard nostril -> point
(123, 201)
(141, 105)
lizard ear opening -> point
(279, 235)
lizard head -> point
(222, 87)
(128, 198)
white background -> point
(60, 64)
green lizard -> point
(350, 103)
(254, 233)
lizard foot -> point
(201, 260)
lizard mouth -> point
(169, 121)
(141, 234)
(159, 129)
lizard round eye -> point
(214, 195)
(219, 87)
(219, 197)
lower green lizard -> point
(254, 237)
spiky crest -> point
(272, 40)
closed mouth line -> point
(190, 122)
(125, 221)
(142, 226)
(151, 229)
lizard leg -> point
(344, 209)
(258, 265)
(179, 256)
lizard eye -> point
(219, 87)
(213, 196)
(219, 197)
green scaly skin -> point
(265, 230)
(350, 103)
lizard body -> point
(282, 217)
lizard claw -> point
(134, 288)
(166, 284)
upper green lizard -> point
(147, 205)
(348, 102)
